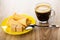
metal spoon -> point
(33, 25)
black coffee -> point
(43, 12)
(43, 16)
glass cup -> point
(44, 12)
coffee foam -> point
(42, 8)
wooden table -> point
(38, 33)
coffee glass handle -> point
(52, 13)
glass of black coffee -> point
(43, 12)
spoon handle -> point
(33, 25)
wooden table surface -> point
(38, 33)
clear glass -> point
(52, 13)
